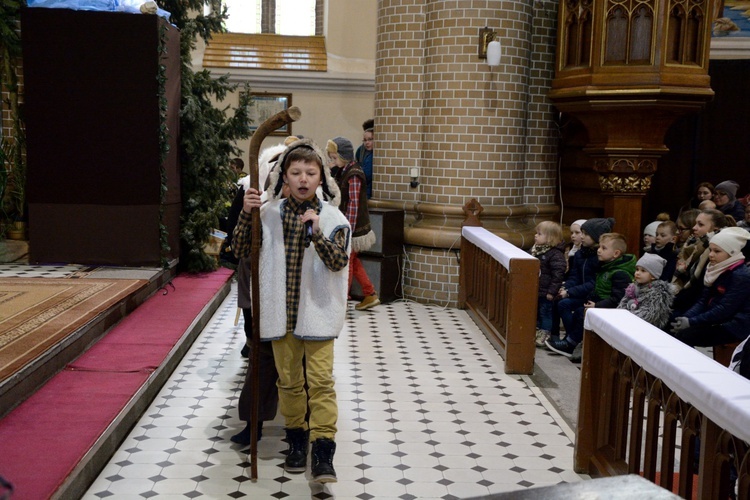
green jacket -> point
(612, 280)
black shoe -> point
(243, 437)
(322, 461)
(245, 352)
(560, 346)
(577, 354)
(296, 458)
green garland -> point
(163, 143)
(208, 135)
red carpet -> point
(676, 483)
(43, 439)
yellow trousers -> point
(321, 397)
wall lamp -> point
(414, 174)
(489, 46)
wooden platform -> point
(24, 382)
(132, 341)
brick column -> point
(471, 131)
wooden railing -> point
(498, 285)
(648, 401)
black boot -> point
(322, 461)
(243, 437)
(296, 458)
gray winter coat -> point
(651, 302)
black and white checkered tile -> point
(425, 411)
(34, 271)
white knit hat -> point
(652, 263)
(578, 223)
(650, 229)
(731, 239)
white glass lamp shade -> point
(493, 53)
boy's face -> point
(642, 277)
(747, 214)
(648, 239)
(663, 236)
(606, 252)
(335, 160)
(587, 240)
(303, 179)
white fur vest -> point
(323, 293)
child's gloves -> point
(680, 324)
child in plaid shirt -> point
(303, 303)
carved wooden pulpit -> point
(627, 70)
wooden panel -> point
(92, 127)
(266, 51)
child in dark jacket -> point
(550, 250)
(722, 314)
(664, 247)
(581, 275)
(614, 276)
(648, 297)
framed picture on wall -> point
(264, 106)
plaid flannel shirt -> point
(355, 184)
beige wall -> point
(351, 28)
(330, 102)
(326, 115)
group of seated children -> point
(692, 279)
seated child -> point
(666, 236)
(580, 279)
(549, 249)
(722, 314)
(575, 242)
(687, 282)
(649, 235)
(648, 297)
(614, 276)
(685, 223)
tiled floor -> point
(425, 412)
(32, 271)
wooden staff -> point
(275, 122)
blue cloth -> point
(571, 313)
(364, 158)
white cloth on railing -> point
(717, 392)
(495, 246)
